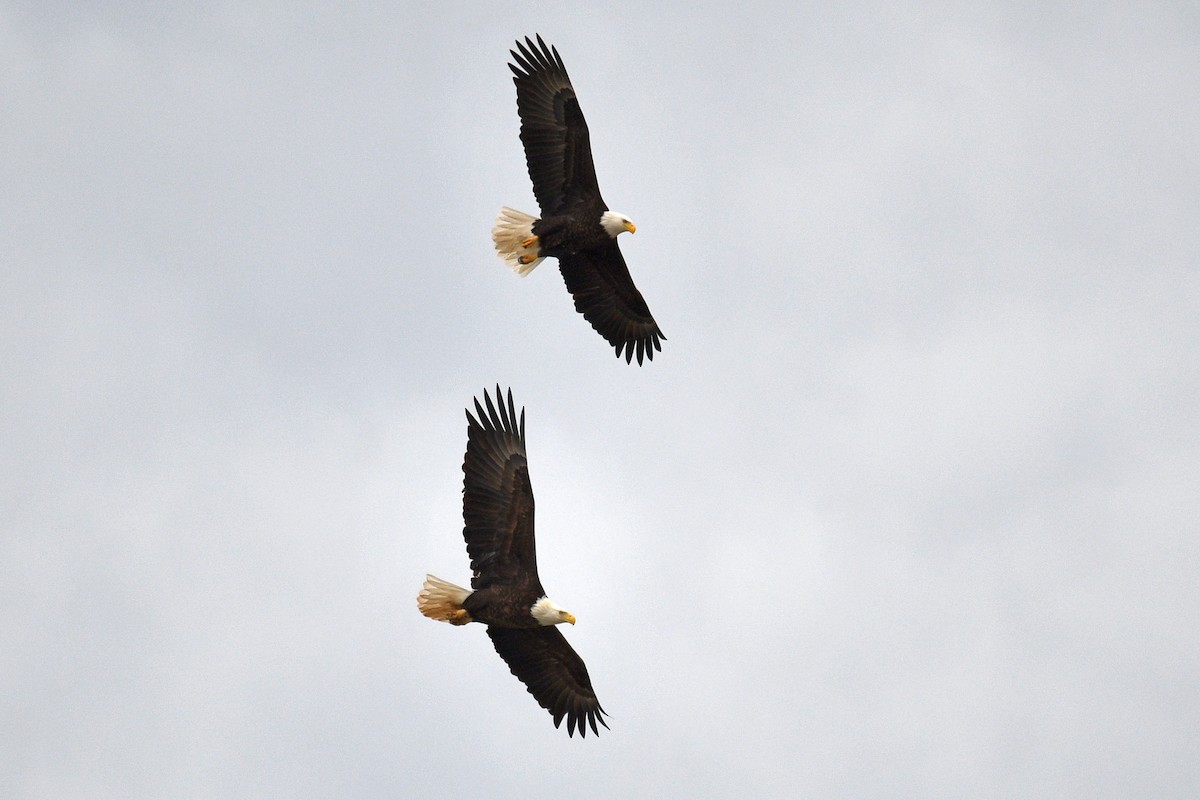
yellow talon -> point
(524, 259)
(530, 242)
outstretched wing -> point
(554, 674)
(604, 293)
(555, 135)
(497, 497)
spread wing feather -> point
(497, 496)
(604, 293)
(553, 673)
(557, 150)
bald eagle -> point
(576, 227)
(506, 594)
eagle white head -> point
(615, 224)
(547, 613)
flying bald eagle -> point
(506, 594)
(576, 226)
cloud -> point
(902, 508)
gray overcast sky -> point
(906, 507)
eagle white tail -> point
(442, 600)
(513, 229)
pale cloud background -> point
(907, 507)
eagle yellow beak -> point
(629, 226)
(569, 617)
